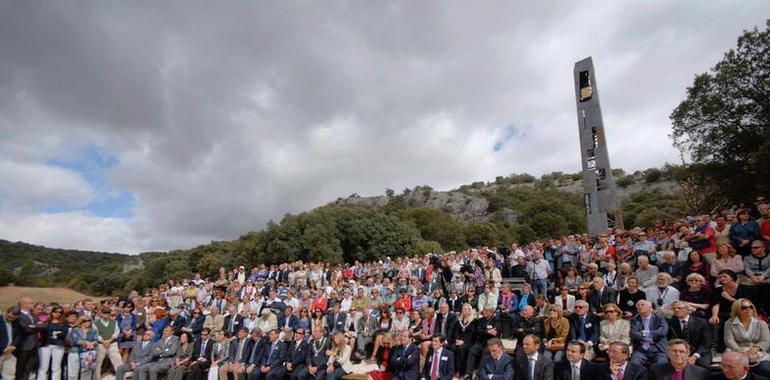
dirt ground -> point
(9, 295)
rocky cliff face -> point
(469, 203)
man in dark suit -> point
(735, 366)
(233, 320)
(404, 358)
(297, 356)
(497, 365)
(619, 367)
(317, 358)
(445, 323)
(287, 322)
(678, 351)
(487, 327)
(273, 358)
(533, 365)
(336, 319)
(7, 360)
(692, 329)
(258, 344)
(584, 326)
(601, 295)
(575, 368)
(440, 363)
(25, 330)
(237, 356)
(201, 355)
(648, 335)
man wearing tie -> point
(575, 368)
(140, 354)
(648, 335)
(678, 368)
(692, 329)
(237, 357)
(584, 326)
(446, 323)
(498, 365)
(619, 368)
(534, 366)
(233, 320)
(297, 356)
(404, 358)
(271, 365)
(201, 355)
(317, 358)
(163, 353)
(25, 330)
(441, 362)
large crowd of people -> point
(648, 303)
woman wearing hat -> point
(83, 346)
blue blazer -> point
(293, 320)
(658, 332)
(446, 365)
(499, 369)
(274, 356)
(403, 363)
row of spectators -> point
(699, 283)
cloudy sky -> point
(134, 125)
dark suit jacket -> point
(274, 355)
(749, 376)
(336, 322)
(698, 334)
(25, 333)
(544, 368)
(592, 328)
(206, 351)
(293, 319)
(320, 359)
(177, 324)
(446, 365)
(499, 369)
(297, 356)
(609, 295)
(632, 372)
(662, 371)
(658, 331)
(5, 336)
(588, 370)
(403, 363)
(233, 350)
(236, 325)
(449, 333)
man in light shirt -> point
(538, 271)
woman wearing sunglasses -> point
(746, 333)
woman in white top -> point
(339, 363)
(744, 332)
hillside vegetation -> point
(517, 208)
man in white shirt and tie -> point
(575, 368)
(535, 366)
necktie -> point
(619, 376)
(583, 329)
(531, 374)
(575, 372)
(434, 367)
(203, 348)
(684, 326)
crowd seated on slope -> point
(659, 301)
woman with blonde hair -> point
(726, 259)
(555, 331)
(613, 328)
(746, 333)
(695, 294)
(339, 363)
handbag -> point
(88, 360)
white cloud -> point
(273, 108)
(29, 187)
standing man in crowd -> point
(25, 328)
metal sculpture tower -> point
(599, 186)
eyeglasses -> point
(747, 307)
(610, 311)
(579, 307)
(756, 247)
(300, 333)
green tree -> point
(436, 225)
(724, 123)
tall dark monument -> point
(599, 186)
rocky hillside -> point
(470, 202)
